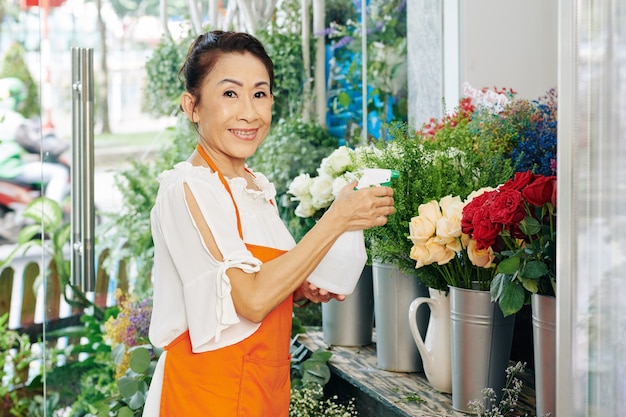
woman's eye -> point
(260, 94)
(230, 93)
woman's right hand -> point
(362, 209)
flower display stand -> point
(379, 393)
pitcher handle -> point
(413, 321)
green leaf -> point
(125, 412)
(27, 233)
(534, 269)
(140, 360)
(512, 297)
(321, 355)
(509, 265)
(344, 99)
(117, 354)
(128, 386)
(531, 285)
(508, 292)
(137, 401)
(315, 371)
(530, 226)
(44, 211)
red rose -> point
(540, 191)
(470, 209)
(521, 180)
(485, 231)
(508, 207)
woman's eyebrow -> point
(240, 84)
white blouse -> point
(191, 288)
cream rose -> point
(421, 229)
(482, 258)
(321, 191)
(430, 210)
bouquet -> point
(315, 194)
(439, 243)
(518, 221)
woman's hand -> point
(363, 208)
(315, 294)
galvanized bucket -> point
(544, 340)
(394, 291)
(350, 322)
(481, 340)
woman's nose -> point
(247, 109)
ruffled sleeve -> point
(204, 285)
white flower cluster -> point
(308, 401)
(317, 193)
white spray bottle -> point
(339, 271)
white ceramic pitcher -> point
(435, 348)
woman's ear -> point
(187, 104)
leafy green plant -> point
(163, 88)
(15, 357)
(47, 221)
(14, 65)
(455, 162)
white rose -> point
(300, 186)
(305, 209)
(337, 162)
(341, 181)
(322, 191)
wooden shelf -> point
(379, 393)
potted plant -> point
(519, 220)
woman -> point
(226, 268)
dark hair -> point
(206, 50)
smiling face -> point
(235, 109)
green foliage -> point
(46, 215)
(15, 357)
(282, 39)
(13, 65)
(163, 87)
(127, 233)
(291, 148)
(429, 170)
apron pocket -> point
(265, 388)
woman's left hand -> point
(318, 295)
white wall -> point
(509, 43)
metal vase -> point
(394, 291)
(481, 339)
(544, 341)
(350, 322)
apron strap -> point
(223, 180)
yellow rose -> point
(421, 229)
(448, 229)
(438, 253)
(419, 253)
(452, 207)
(482, 258)
(430, 210)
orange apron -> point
(247, 379)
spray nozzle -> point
(377, 176)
